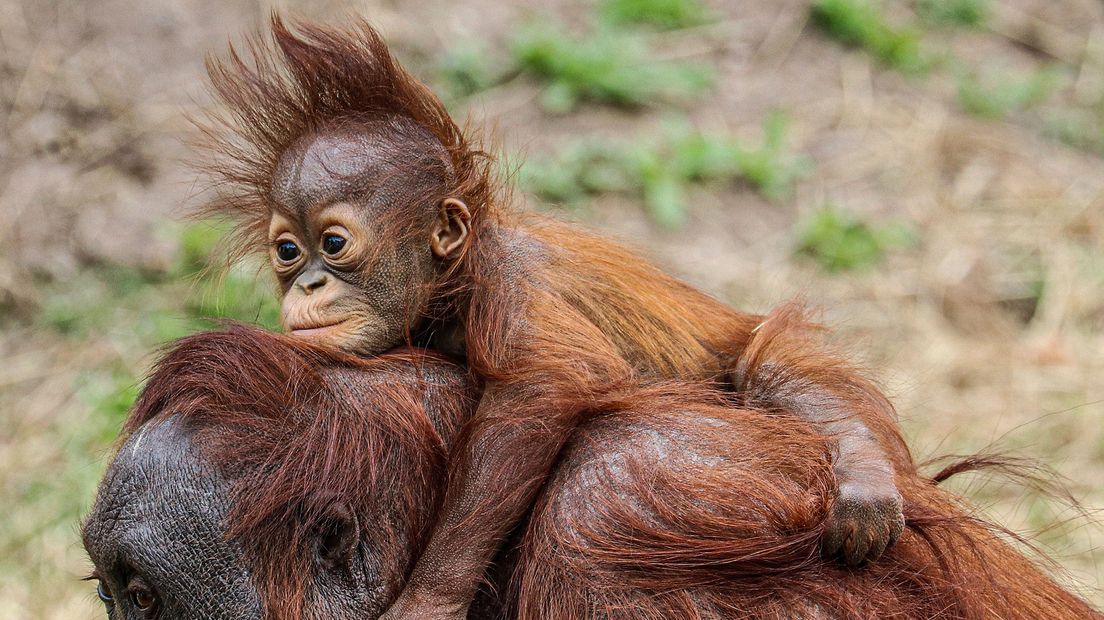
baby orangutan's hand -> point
(864, 521)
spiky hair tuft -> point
(303, 77)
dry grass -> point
(989, 329)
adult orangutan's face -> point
(157, 537)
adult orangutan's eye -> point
(104, 594)
(143, 599)
(105, 597)
(332, 244)
(287, 251)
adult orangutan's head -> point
(264, 478)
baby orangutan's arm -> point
(556, 368)
(783, 368)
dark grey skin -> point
(155, 535)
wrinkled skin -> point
(362, 295)
(159, 523)
(157, 529)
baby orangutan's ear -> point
(450, 230)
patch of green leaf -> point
(839, 241)
(1079, 127)
(580, 170)
(465, 70)
(959, 13)
(663, 14)
(608, 65)
(239, 292)
(861, 23)
(199, 247)
(662, 172)
(996, 95)
(96, 302)
(770, 167)
(109, 394)
(157, 306)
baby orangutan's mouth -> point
(314, 330)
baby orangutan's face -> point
(356, 235)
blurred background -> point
(927, 173)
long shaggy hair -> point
(294, 426)
(667, 503)
(570, 323)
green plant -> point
(579, 170)
(1081, 127)
(239, 294)
(860, 23)
(608, 65)
(665, 14)
(963, 13)
(997, 95)
(109, 394)
(660, 173)
(770, 168)
(156, 306)
(220, 291)
(77, 311)
(838, 241)
(466, 69)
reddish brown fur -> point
(278, 413)
(620, 531)
(554, 319)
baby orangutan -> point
(386, 225)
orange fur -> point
(667, 503)
(554, 319)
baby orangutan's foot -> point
(865, 521)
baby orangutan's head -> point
(349, 173)
(360, 225)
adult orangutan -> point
(385, 225)
(259, 477)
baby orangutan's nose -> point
(311, 280)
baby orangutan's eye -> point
(287, 251)
(332, 244)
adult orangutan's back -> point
(655, 513)
(263, 478)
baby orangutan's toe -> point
(863, 523)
